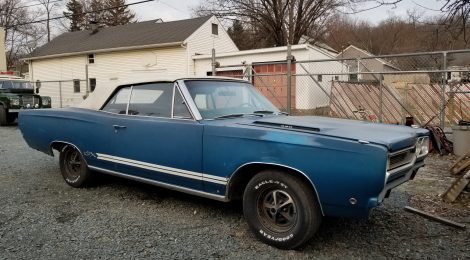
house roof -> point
(146, 33)
(368, 54)
(306, 39)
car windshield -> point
(15, 84)
(223, 99)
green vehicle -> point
(17, 94)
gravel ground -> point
(43, 218)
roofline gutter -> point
(159, 45)
(254, 51)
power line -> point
(88, 12)
(26, 6)
(177, 9)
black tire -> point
(3, 116)
(287, 226)
(11, 118)
(74, 168)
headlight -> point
(14, 101)
(46, 101)
(422, 146)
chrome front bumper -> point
(400, 175)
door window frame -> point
(176, 87)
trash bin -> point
(461, 134)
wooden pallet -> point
(457, 187)
(461, 164)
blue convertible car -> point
(221, 139)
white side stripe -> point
(164, 169)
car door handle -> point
(117, 127)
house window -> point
(352, 77)
(320, 78)
(449, 75)
(76, 86)
(92, 84)
(215, 29)
(91, 58)
(336, 78)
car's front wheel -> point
(74, 168)
(281, 209)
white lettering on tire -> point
(277, 239)
(259, 185)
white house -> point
(74, 63)
(308, 91)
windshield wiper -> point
(228, 116)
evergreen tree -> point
(96, 13)
(75, 14)
(117, 13)
(240, 36)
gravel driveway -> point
(43, 218)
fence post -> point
(442, 112)
(60, 93)
(248, 72)
(213, 62)
(381, 98)
(289, 78)
(358, 68)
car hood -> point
(394, 137)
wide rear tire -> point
(73, 167)
(281, 209)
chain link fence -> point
(64, 93)
(420, 88)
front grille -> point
(30, 101)
(401, 158)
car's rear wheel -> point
(74, 168)
(281, 209)
(3, 116)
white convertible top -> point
(97, 98)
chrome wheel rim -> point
(73, 164)
(277, 210)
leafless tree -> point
(49, 9)
(281, 21)
(21, 36)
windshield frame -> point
(16, 82)
(193, 107)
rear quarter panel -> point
(88, 130)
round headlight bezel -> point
(14, 101)
(422, 146)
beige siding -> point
(50, 71)
(366, 65)
(202, 41)
(110, 69)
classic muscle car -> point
(221, 139)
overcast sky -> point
(169, 10)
